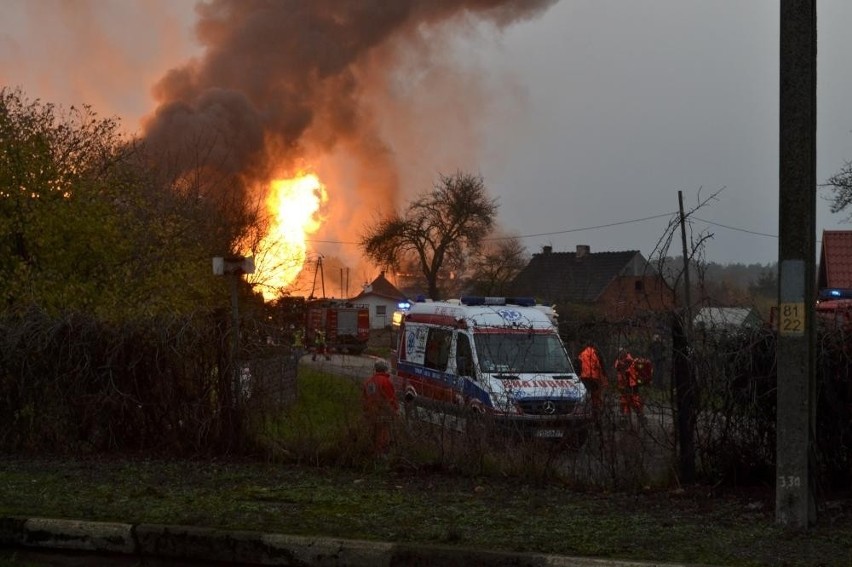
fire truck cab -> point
(501, 357)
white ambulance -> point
(497, 356)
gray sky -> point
(592, 113)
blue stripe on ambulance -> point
(472, 390)
(468, 388)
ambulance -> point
(497, 357)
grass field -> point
(321, 481)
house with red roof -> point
(834, 278)
(382, 297)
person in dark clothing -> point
(320, 345)
(657, 352)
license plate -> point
(549, 433)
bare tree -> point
(841, 184)
(438, 228)
(495, 264)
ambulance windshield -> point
(520, 353)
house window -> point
(381, 310)
(638, 286)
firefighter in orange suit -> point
(629, 381)
(380, 406)
(593, 376)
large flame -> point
(294, 205)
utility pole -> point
(684, 370)
(795, 419)
(319, 272)
(234, 267)
(687, 293)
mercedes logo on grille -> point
(549, 408)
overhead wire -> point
(566, 231)
(735, 228)
(583, 228)
(594, 227)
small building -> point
(615, 285)
(726, 319)
(382, 297)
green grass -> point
(323, 426)
(318, 478)
(394, 503)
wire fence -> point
(169, 387)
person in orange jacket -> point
(628, 381)
(380, 405)
(593, 375)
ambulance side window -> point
(438, 349)
(464, 357)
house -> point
(835, 262)
(726, 319)
(834, 278)
(616, 285)
(382, 297)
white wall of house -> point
(381, 310)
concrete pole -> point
(795, 420)
(687, 291)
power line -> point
(582, 229)
(735, 228)
(607, 225)
(538, 234)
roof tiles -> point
(836, 260)
(567, 276)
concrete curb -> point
(257, 548)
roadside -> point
(424, 510)
(68, 543)
(390, 502)
(348, 365)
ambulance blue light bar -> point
(473, 300)
(835, 293)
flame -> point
(295, 206)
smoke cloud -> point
(330, 86)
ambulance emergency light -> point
(482, 300)
(835, 293)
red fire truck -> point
(346, 325)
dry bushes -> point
(160, 386)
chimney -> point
(583, 250)
(546, 250)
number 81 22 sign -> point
(792, 321)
